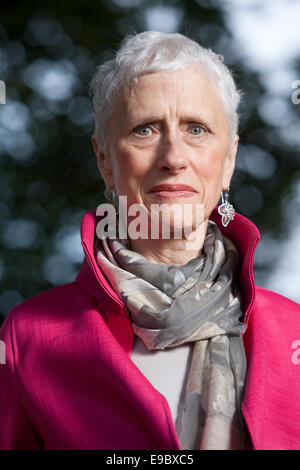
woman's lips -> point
(173, 194)
(169, 191)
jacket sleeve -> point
(16, 432)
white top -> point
(166, 369)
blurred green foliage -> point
(49, 177)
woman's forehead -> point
(186, 91)
(178, 80)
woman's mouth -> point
(173, 191)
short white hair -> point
(153, 51)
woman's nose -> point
(172, 156)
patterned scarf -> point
(197, 302)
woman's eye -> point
(143, 131)
(196, 130)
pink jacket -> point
(69, 383)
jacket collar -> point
(245, 236)
(241, 231)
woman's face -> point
(169, 129)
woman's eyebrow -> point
(147, 119)
(193, 117)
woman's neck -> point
(171, 251)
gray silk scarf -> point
(197, 302)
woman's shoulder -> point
(274, 316)
(48, 310)
(265, 298)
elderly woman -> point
(161, 342)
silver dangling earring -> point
(226, 210)
(112, 197)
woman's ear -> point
(103, 163)
(229, 163)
